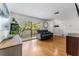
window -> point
(36, 26)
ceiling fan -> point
(77, 9)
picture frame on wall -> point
(45, 24)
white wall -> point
(66, 26)
(50, 25)
(61, 30)
(23, 18)
(72, 25)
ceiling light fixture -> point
(56, 13)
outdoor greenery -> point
(36, 26)
(20, 28)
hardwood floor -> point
(55, 47)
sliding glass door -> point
(35, 27)
(30, 31)
(26, 27)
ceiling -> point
(45, 10)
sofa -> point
(44, 34)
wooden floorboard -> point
(50, 47)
